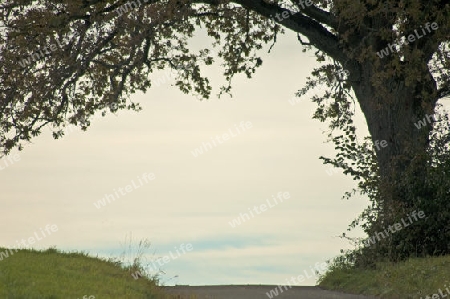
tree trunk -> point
(393, 112)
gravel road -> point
(257, 292)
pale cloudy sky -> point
(193, 199)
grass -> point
(414, 278)
(52, 274)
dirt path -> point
(257, 292)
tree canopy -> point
(63, 61)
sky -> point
(163, 189)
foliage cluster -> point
(358, 159)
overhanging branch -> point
(316, 13)
(444, 91)
(305, 25)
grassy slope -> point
(415, 278)
(51, 274)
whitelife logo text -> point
(108, 198)
(243, 126)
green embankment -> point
(413, 279)
(52, 274)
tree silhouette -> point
(62, 61)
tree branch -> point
(444, 91)
(317, 14)
(318, 35)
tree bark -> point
(392, 113)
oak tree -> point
(63, 61)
